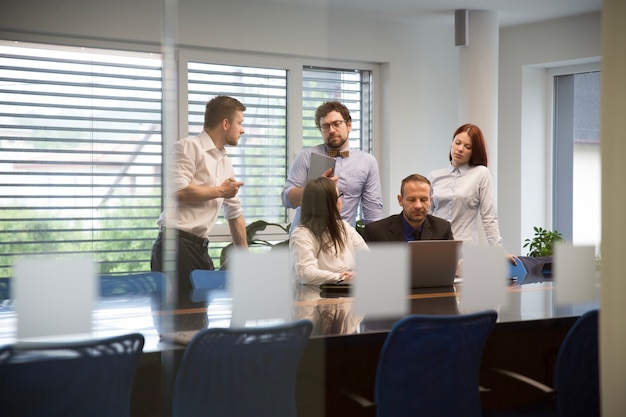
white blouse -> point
(464, 196)
(315, 267)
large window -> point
(81, 149)
(577, 176)
(80, 154)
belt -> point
(190, 236)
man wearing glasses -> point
(355, 173)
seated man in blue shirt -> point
(356, 171)
(414, 223)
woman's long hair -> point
(479, 145)
(319, 213)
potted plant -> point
(542, 242)
(540, 251)
(251, 230)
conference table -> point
(343, 350)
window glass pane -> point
(260, 159)
(577, 199)
(587, 207)
(80, 154)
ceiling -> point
(510, 12)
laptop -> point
(433, 262)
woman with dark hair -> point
(462, 192)
(323, 246)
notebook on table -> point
(433, 262)
(342, 289)
(182, 337)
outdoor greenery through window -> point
(81, 145)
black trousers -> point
(192, 253)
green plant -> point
(360, 226)
(542, 242)
(251, 230)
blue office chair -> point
(577, 376)
(134, 283)
(205, 279)
(576, 390)
(241, 372)
(207, 284)
(92, 378)
(430, 366)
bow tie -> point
(343, 154)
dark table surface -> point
(344, 345)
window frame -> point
(293, 66)
(563, 222)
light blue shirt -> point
(464, 196)
(359, 181)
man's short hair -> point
(220, 108)
(415, 178)
(329, 106)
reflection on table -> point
(331, 313)
(330, 316)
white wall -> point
(526, 53)
(419, 84)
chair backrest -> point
(92, 378)
(430, 366)
(576, 377)
(205, 279)
(138, 283)
(241, 372)
(207, 284)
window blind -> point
(260, 159)
(80, 154)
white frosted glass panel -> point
(260, 285)
(382, 281)
(574, 273)
(485, 275)
(54, 297)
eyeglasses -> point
(340, 195)
(336, 124)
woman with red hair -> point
(462, 192)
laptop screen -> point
(433, 262)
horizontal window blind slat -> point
(154, 98)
